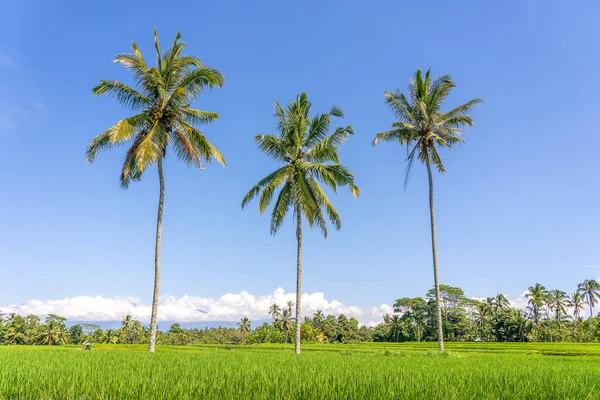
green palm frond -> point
(117, 134)
(310, 155)
(122, 93)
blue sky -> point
(518, 205)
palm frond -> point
(185, 151)
(124, 94)
(282, 206)
(267, 180)
(273, 146)
(117, 134)
(197, 117)
(204, 148)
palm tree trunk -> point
(435, 265)
(161, 200)
(298, 278)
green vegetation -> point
(365, 371)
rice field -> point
(365, 371)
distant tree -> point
(126, 327)
(76, 333)
(275, 311)
(501, 302)
(318, 319)
(244, 324)
(162, 100)
(536, 295)
(286, 323)
(111, 336)
(558, 301)
(310, 155)
(591, 290)
(422, 125)
(578, 303)
(290, 306)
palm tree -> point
(110, 336)
(422, 125)
(290, 305)
(536, 295)
(591, 290)
(318, 319)
(126, 326)
(501, 302)
(310, 155)
(577, 302)
(162, 100)
(395, 322)
(244, 324)
(275, 311)
(558, 301)
(286, 322)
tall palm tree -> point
(162, 100)
(244, 324)
(591, 290)
(577, 302)
(424, 129)
(309, 154)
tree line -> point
(550, 316)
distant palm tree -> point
(591, 290)
(275, 311)
(244, 324)
(286, 323)
(290, 305)
(309, 154)
(387, 319)
(110, 336)
(162, 99)
(501, 302)
(396, 327)
(558, 301)
(536, 295)
(422, 125)
(578, 303)
(318, 318)
(127, 326)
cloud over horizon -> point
(228, 307)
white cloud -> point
(229, 307)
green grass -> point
(365, 371)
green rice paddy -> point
(364, 371)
